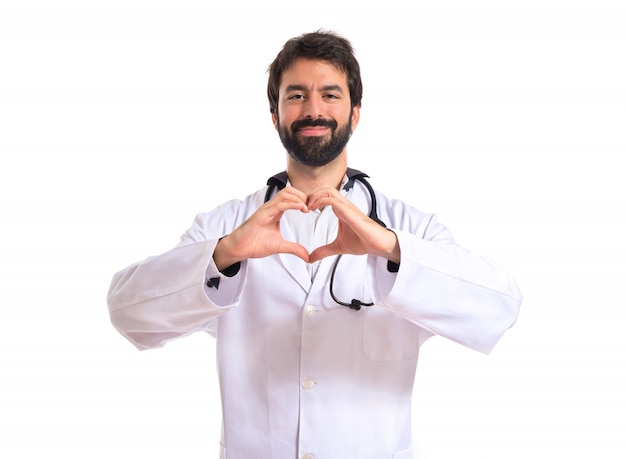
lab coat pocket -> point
(389, 337)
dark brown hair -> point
(320, 45)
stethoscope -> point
(279, 181)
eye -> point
(296, 97)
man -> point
(319, 291)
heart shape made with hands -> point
(352, 226)
(307, 224)
(260, 235)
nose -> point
(312, 108)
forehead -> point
(312, 73)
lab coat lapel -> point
(299, 272)
(322, 277)
(296, 267)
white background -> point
(120, 120)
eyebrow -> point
(329, 87)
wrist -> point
(223, 256)
(392, 248)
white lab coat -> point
(300, 375)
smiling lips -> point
(313, 130)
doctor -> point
(318, 290)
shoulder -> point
(223, 219)
(401, 215)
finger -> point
(279, 204)
(295, 249)
(323, 252)
(323, 197)
(289, 198)
(290, 192)
(287, 204)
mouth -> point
(313, 130)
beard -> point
(315, 150)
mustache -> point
(309, 122)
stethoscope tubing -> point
(280, 181)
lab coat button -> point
(310, 310)
(307, 384)
(307, 456)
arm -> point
(176, 293)
(439, 286)
(165, 297)
(447, 290)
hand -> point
(357, 234)
(259, 236)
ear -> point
(356, 116)
(275, 119)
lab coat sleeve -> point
(165, 297)
(447, 290)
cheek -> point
(284, 117)
(341, 114)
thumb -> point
(322, 252)
(295, 249)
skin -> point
(310, 88)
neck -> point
(308, 179)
